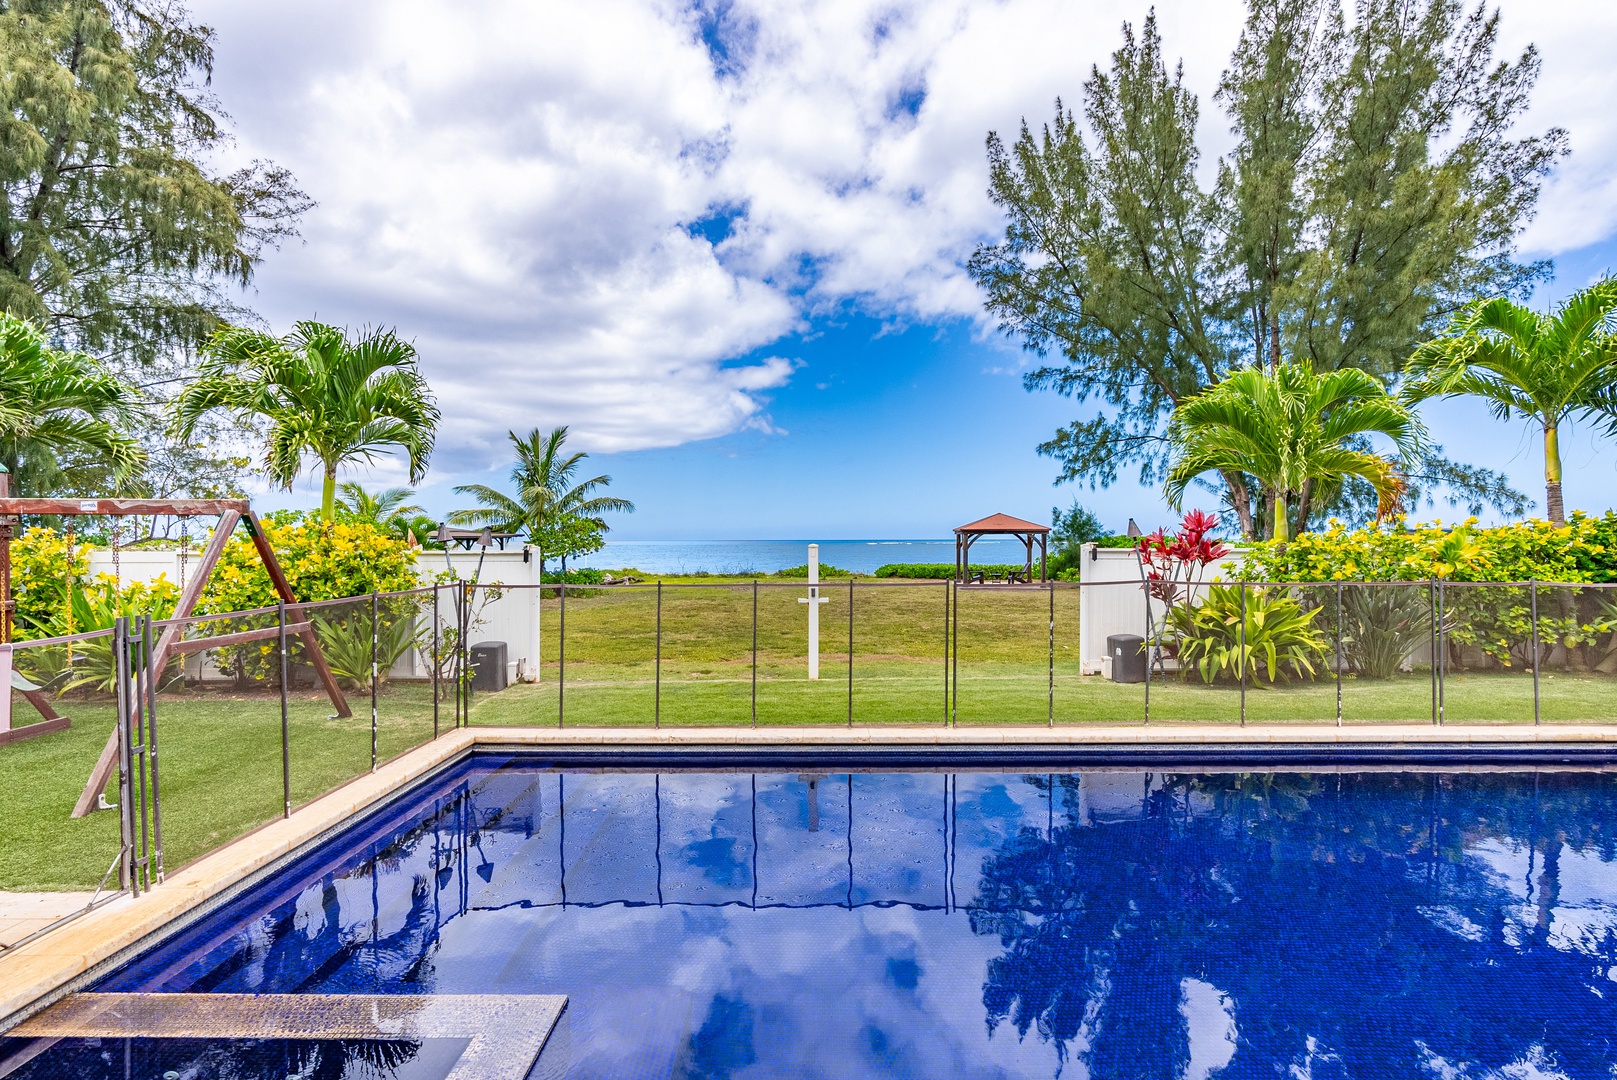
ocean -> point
(767, 556)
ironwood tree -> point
(1376, 184)
(118, 232)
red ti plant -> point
(1172, 566)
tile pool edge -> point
(71, 957)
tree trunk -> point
(1304, 507)
(1281, 533)
(1274, 340)
(328, 496)
(1552, 476)
(1241, 500)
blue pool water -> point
(924, 924)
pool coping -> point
(80, 952)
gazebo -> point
(1000, 525)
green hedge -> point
(826, 571)
(940, 570)
(583, 576)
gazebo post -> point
(1044, 558)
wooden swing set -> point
(230, 512)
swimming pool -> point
(1109, 923)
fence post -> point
(467, 673)
(1242, 655)
(373, 681)
(946, 589)
(142, 685)
(455, 656)
(436, 659)
(1052, 717)
(1431, 596)
(126, 802)
(1442, 652)
(657, 665)
(1532, 588)
(561, 665)
(1339, 656)
(1147, 647)
(850, 652)
(754, 652)
(137, 757)
(286, 742)
(151, 751)
(954, 646)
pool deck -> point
(79, 952)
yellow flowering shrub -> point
(1498, 620)
(41, 565)
(322, 561)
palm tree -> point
(1544, 368)
(1300, 433)
(382, 509)
(323, 394)
(52, 400)
(562, 516)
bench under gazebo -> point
(1001, 525)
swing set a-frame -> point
(231, 513)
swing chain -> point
(72, 572)
(185, 549)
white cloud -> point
(516, 185)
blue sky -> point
(724, 241)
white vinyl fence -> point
(1120, 608)
(512, 616)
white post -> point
(5, 687)
(814, 601)
(531, 673)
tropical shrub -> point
(86, 608)
(42, 563)
(322, 561)
(1266, 634)
(1173, 565)
(1498, 619)
(1382, 626)
(345, 638)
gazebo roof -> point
(1001, 523)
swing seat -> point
(20, 683)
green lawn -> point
(220, 752)
(900, 692)
(219, 767)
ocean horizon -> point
(768, 556)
